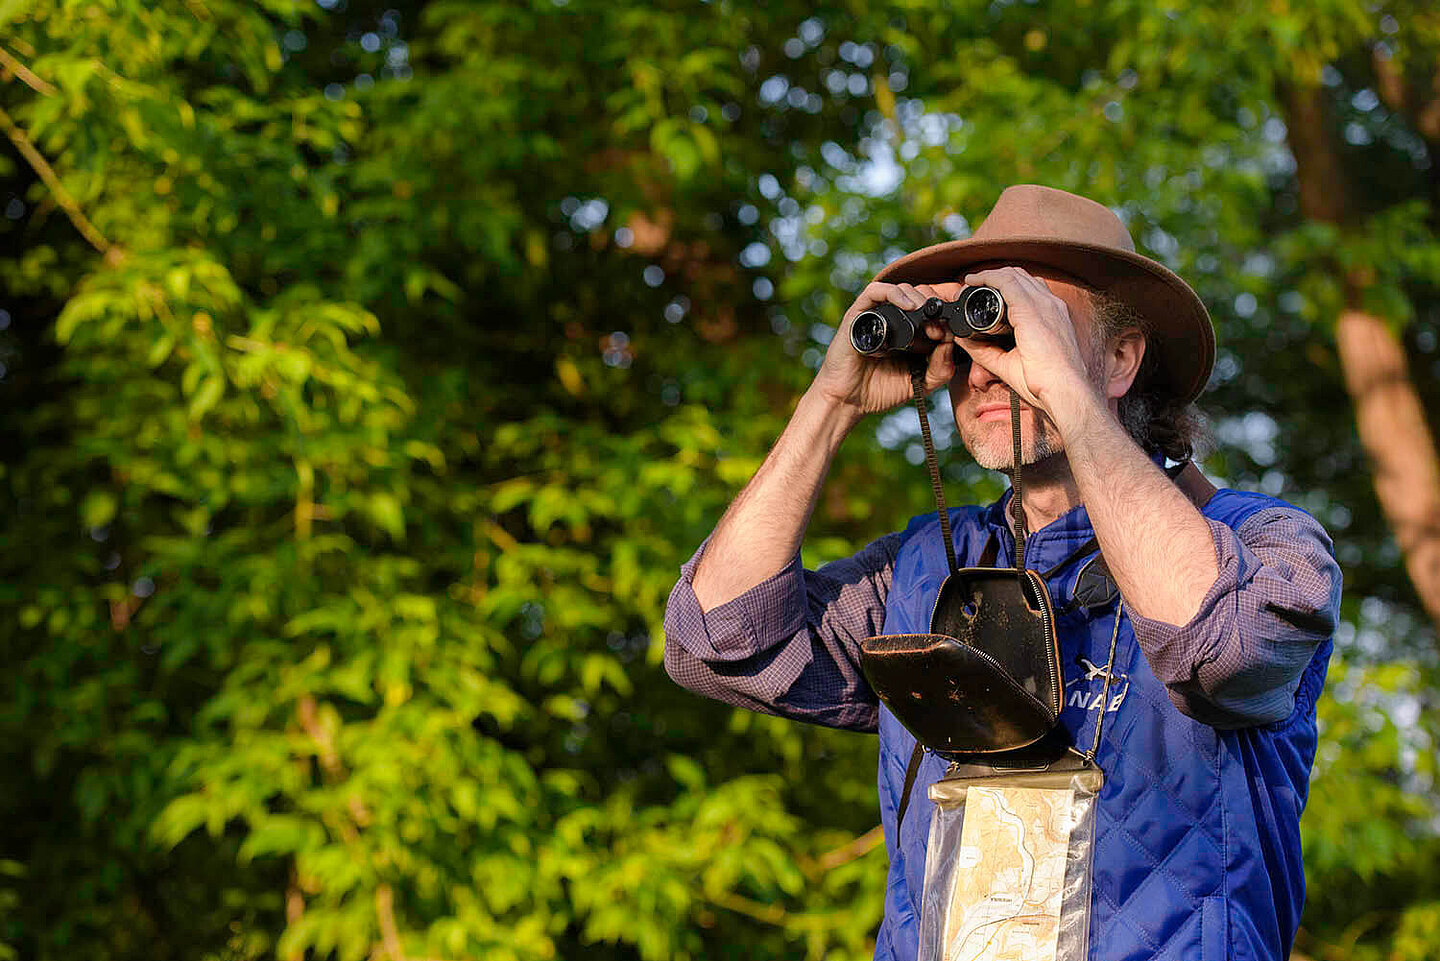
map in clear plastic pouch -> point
(1009, 880)
(1008, 865)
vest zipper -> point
(1058, 684)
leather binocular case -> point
(986, 679)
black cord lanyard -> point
(1105, 688)
(1017, 510)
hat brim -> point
(1181, 330)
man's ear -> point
(1123, 359)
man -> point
(1226, 608)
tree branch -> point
(1427, 117)
(768, 913)
(330, 764)
(294, 908)
(47, 174)
(1389, 81)
(1422, 108)
(8, 61)
(850, 851)
(385, 911)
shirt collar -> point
(1048, 546)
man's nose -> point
(980, 377)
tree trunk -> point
(1388, 414)
(1391, 423)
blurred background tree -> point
(369, 369)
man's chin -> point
(991, 443)
(993, 457)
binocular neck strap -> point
(917, 383)
(1017, 512)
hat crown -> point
(1035, 212)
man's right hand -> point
(869, 384)
(761, 532)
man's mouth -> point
(996, 411)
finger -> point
(1019, 288)
(874, 293)
(961, 360)
(982, 352)
(938, 331)
(1001, 363)
(912, 297)
(941, 367)
(934, 329)
(1005, 280)
(1038, 287)
(993, 273)
(1004, 364)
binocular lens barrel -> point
(983, 308)
(868, 333)
(886, 327)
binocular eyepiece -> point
(979, 312)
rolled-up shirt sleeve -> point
(1239, 660)
(790, 645)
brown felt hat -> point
(1042, 225)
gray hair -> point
(1150, 414)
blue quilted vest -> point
(1197, 855)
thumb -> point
(988, 356)
(999, 362)
(1005, 364)
(941, 367)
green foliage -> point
(344, 489)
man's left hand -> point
(1047, 362)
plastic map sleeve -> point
(1009, 877)
(1008, 863)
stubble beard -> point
(992, 443)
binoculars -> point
(979, 312)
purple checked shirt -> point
(791, 644)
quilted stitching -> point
(1144, 774)
(1163, 831)
(1159, 872)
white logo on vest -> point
(1088, 691)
